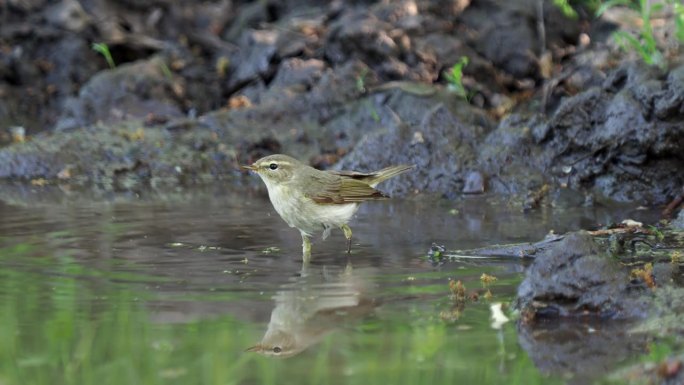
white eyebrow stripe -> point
(279, 163)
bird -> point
(313, 200)
(314, 305)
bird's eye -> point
(277, 349)
(273, 166)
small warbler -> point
(313, 200)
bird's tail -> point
(389, 172)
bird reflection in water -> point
(315, 304)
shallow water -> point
(173, 288)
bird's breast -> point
(306, 215)
(283, 201)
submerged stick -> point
(438, 253)
(618, 241)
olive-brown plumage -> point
(313, 200)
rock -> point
(678, 223)
(509, 159)
(296, 72)
(305, 124)
(474, 183)
(575, 279)
(357, 35)
(610, 138)
(45, 70)
(254, 59)
(295, 76)
(299, 40)
(440, 140)
(509, 44)
(26, 5)
(249, 16)
(671, 103)
(130, 91)
(439, 52)
(349, 81)
(128, 152)
(73, 63)
(507, 35)
(68, 14)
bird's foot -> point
(306, 249)
(347, 234)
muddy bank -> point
(582, 146)
(630, 281)
(575, 278)
(122, 156)
(619, 141)
(362, 85)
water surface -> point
(174, 287)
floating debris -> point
(240, 101)
(487, 279)
(631, 223)
(435, 255)
(270, 250)
(65, 173)
(645, 274)
(488, 295)
(205, 248)
(458, 290)
(451, 315)
(18, 134)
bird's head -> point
(275, 168)
(277, 344)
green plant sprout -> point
(567, 7)
(564, 6)
(454, 77)
(103, 49)
(361, 80)
(645, 43)
(679, 20)
(166, 70)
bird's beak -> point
(248, 167)
(255, 348)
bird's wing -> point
(353, 174)
(373, 178)
(341, 190)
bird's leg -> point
(306, 249)
(305, 270)
(348, 235)
(348, 269)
